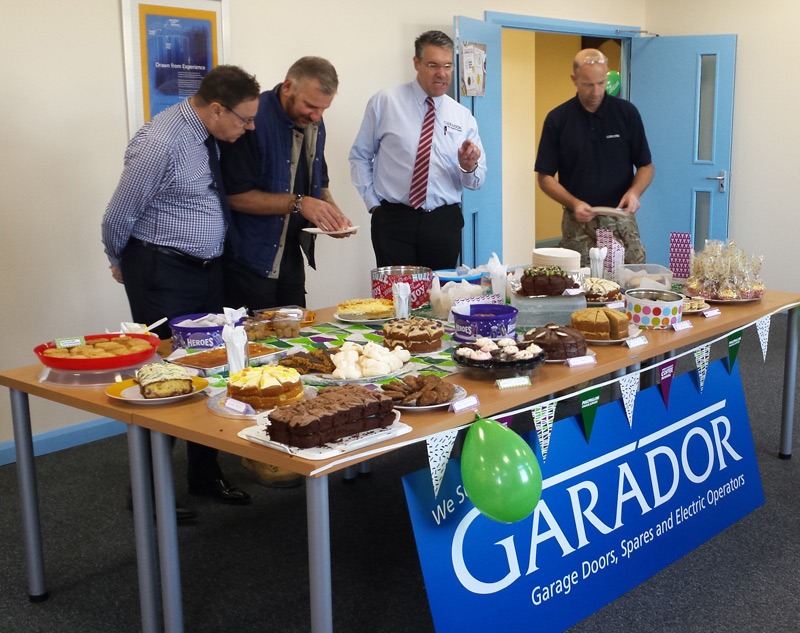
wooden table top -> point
(192, 420)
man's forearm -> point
(556, 191)
(256, 202)
(642, 179)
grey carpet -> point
(246, 570)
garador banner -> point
(614, 510)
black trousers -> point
(402, 236)
(166, 285)
(243, 287)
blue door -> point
(483, 209)
(683, 87)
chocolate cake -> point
(545, 280)
(335, 413)
(559, 343)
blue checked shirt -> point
(166, 194)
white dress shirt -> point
(382, 157)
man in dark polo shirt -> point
(597, 145)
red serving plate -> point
(98, 364)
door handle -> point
(720, 179)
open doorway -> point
(536, 69)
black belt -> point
(398, 205)
(173, 252)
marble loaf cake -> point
(163, 380)
(416, 334)
(335, 413)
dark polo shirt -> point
(593, 153)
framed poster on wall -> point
(169, 48)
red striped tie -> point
(419, 181)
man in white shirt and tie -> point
(416, 214)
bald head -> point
(588, 56)
(589, 69)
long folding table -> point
(150, 427)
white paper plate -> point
(603, 304)
(324, 380)
(216, 403)
(259, 435)
(564, 258)
(128, 390)
(609, 211)
(633, 332)
(317, 231)
(561, 361)
(705, 306)
(351, 320)
(751, 300)
(458, 395)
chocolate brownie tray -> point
(260, 435)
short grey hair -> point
(432, 38)
(314, 68)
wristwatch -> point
(471, 171)
(297, 205)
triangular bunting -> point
(762, 325)
(665, 373)
(629, 385)
(439, 448)
(701, 355)
(734, 342)
(543, 415)
(505, 421)
(589, 403)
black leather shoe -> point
(183, 514)
(220, 490)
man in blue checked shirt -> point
(164, 228)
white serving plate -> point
(128, 390)
(460, 394)
(260, 435)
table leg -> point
(146, 554)
(167, 532)
(28, 496)
(789, 376)
(319, 554)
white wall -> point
(64, 130)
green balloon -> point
(500, 472)
(613, 83)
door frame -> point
(621, 32)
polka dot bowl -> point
(653, 309)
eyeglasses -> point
(434, 66)
(246, 122)
(592, 59)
